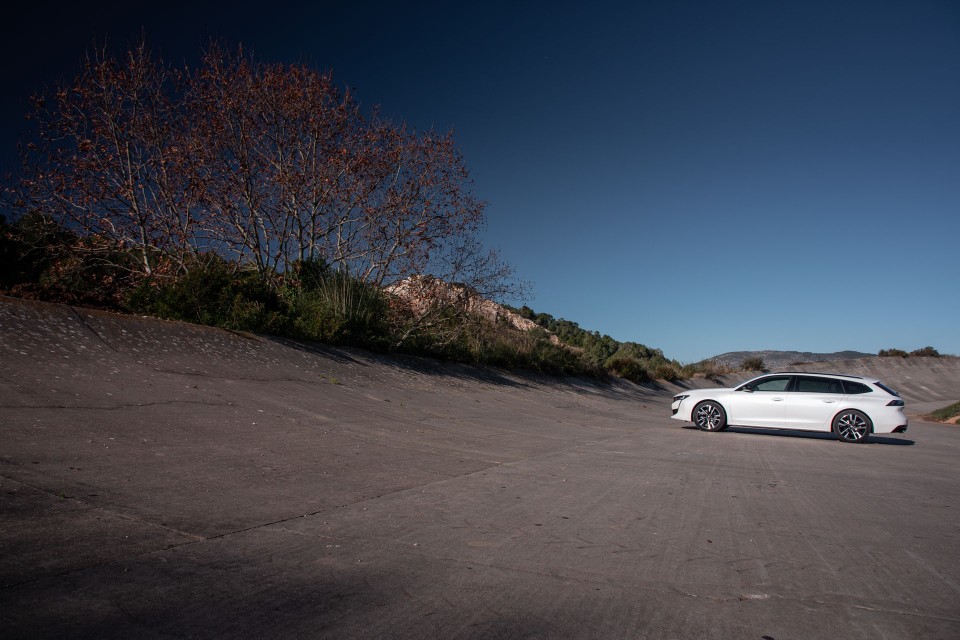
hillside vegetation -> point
(925, 352)
(41, 259)
(630, 360)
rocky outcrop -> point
(423, 293)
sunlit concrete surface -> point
(161, 480)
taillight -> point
(895, 403)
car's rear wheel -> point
(852, 426)
(709, 416)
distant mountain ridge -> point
(783, 359)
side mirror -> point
(746, 389)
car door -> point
(760, 403)
(812, 402)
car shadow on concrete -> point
(814, 435)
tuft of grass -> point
(336, 309)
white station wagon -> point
(850, 406)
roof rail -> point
(819, 373)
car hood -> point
(698, 394)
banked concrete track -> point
(162, 480)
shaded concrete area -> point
(163, 480)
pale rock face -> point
(420, 292)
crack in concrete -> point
(91, 329)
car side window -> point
(855, 387)
(778, 383)
(818, 385)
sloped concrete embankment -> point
(163, 480)
(155, 433)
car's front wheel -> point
(852, 426)
(709, 416)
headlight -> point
(680, 398)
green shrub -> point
(753, 363)
(485, 342)
(39, 259)
(628, 368)
(213, 292)
(309, 275)
(26, 249)
(925, 352)
(559, 360)
(596, 348)
(666, 371)
(892, 353)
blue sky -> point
(700, 177)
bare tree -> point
(423, 202)
(263, 164)
(108, 160)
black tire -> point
(709, 416)
(852, 426)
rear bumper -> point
(889, 420)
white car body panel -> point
(756, 409)
(812, 411)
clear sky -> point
(700, 177)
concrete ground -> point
(160, 480)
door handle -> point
(829, 401)
(777, 399)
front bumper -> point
(678, 411)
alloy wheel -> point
(852, 426)
(709, 417)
